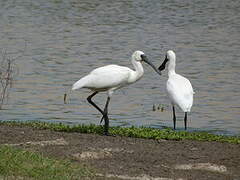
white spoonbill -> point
(179, 88)
(110, 78)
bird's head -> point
(139, 56)
(170, 55)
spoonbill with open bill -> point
(110, 78)
(179, 88)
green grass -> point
(136, 132)
(20, 164)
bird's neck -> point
(138, 73)
(171, 67)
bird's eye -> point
(143, 56)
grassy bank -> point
(140, 132)
(20, 164)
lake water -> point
(65, 39)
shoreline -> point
(119, 156)
(135, 132)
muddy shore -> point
(132, 158)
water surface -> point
(68, 38)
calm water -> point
(67, 38)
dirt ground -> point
(131, 158)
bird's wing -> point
(110, 76)
(109, 68)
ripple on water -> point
(67, 39)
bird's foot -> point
(108, 134)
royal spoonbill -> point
(110, 78)
(179, 88)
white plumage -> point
(179, 88)
(106, 78)
(110, 78)
(180, 92)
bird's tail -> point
(81, 83)
(77, 85)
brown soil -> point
(130, 158)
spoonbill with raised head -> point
(110, 78)
(179, 88)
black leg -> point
(174, 117)
(185, 120)
(92, 103)
(105, 116)
(104, 113)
